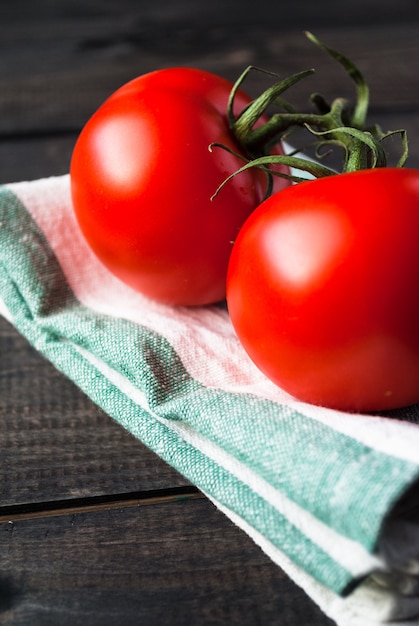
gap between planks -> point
(36, 510)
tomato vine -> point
(337, 124)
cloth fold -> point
(331, 497)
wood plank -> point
(39, 156)
(42, 112)
(182, 564)
(55, 444)
(63, 99)
(227, 11)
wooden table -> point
(94, 528)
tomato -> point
(142, 178)
(322, 289)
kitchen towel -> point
(332, 498)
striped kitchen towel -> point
(330, 497)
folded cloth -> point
(330, 497)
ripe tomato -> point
(142, 177)
(322, 289)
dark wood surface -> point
(94, 528)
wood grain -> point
(164, 564)
(63, 99)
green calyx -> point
(336, 125)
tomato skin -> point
(142, 178)
(322, 289)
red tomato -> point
(322, 289)
(142, 177)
